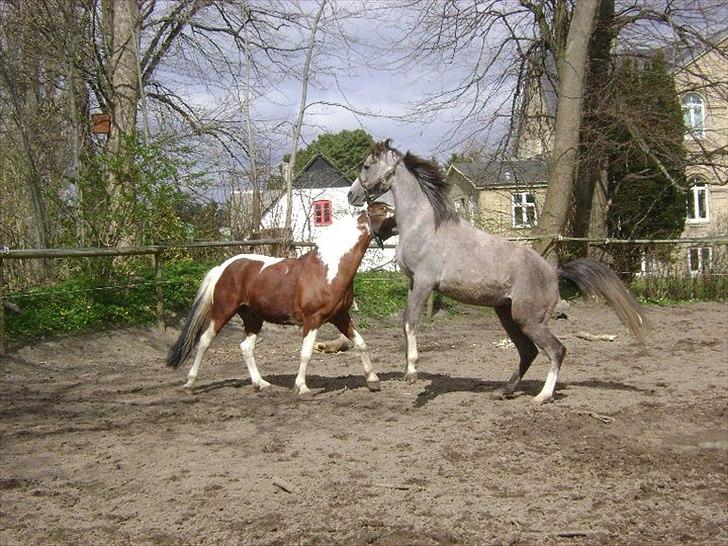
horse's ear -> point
(387, 143)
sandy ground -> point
(99, 445)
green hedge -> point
(669, 289)
(80, 304)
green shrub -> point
(81, 304)
(670, 289)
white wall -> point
(304, 230)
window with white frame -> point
(693, 108)
(523, 209)
(698, 202)
(700, 259)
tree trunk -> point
(572, 72)
(598, 215)
(587, 221)
(122, 21)
(23, 84)
(255, 209)
(299, 121)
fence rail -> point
(156, 252)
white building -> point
(319, 197)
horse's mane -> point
(432, 181)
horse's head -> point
(381, 220)
(377, 174)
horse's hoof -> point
(508, 393)
(189, 386)
(261, 386)
(374, 386)
(540, 400)
(305, 394)
(410, 377)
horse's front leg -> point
(346, 326)
(309, 340)
(416, 301)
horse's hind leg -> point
(546, 341)
(221, 312)
(253, 324)
(346, 326)
(202, 346)
(527, 350)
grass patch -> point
(379, 294)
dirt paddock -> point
(99, 445)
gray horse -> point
(439, 251)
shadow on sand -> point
(435, 384)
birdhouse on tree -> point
(101, 124)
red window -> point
(322, 213)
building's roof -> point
(320, 173)
(495, 173)
(677, 54)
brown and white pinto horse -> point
(309, 291)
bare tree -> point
(515, 51)
(296, 133)
(562, 166)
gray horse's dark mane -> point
(432, 181)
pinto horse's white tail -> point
(197, 321)
(596, 279)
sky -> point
(358, 62)
(366, 81)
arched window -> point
(693, 108)
(698, 201)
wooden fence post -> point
(2, 310)
(159, 288)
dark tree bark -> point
(589, 189)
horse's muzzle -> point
(356, 198)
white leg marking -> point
(306, 352)
(247, 347)
(412, 355)
(548, 387)
(205, 340)
(366, 361)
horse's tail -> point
(197, 321)
(596, 279)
